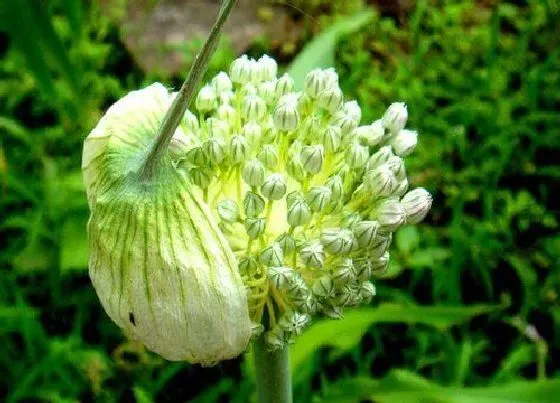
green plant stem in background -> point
(274, 384)
(184, 96)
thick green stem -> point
(274, 383)
(184, 96)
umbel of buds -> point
(273, 206)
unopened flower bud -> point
(295, 169)
(286, 116)
(238, 149)
(318, 198)
(357, 156)
(312, 255)
(248, 265)
(267, 91)
(226, 97)
(254, 108)
(268, 156)
(254, 227)
(395, 117)
(253, 204)
(401, 188)
(274, 187)
(331, 77)
(390, 214)
(332, 312)
(191, 122)
(275, 339)
(284, 85)
(299, 213)
(330, 138)
(337, 241)
(206, 100)
(268, 68)
(240, 70)
(343, 272)
(246, 90)
(330, 99)
(294, 322)
(335, 184)
(379, 266)
(347, 295)
(352, 109)
(362, 268)
(221, 83)
(370, 135)
(197, 157)
(227, 113)
(280, 277)
(380, 181)
(312, 158)
(380, 157)
(214, 149)
(287, 243)
(396, 165)
(201, 176)
(367, 291)
(365, 232)
(217, 127)
(416, 204)
(381, 244)
(315, 82)
(405, 142)
(272, 255)
(228, 210)
(346, 123)
(253, 173)
(323, 287)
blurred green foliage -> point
(469, 310)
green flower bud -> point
(221, 83)
(267, 91)
(305, 105)
(227, 113)
(390, 214)
(295, 169)
(381, 244)
(197, 157)
(254, 108)
(315, 82)
(248, 265)
(312, 255)
(254, 227)
(396, 165)
(294, 322)
(240, 70)
(401, 188)
(274, 187)
(268, 68)
(343, 272)
(284, 85)
(379, 266)
(365, 232)
(330, 138)
(206, 100)
(299, 213)
(380, 157)
(253, 204)
(395, 117)
(287, 243)
(370, 135)
(226, 97)
(357, 156)
(252, 132)
(338, 241)
(214, 148)
(201, 176)
(280, 277)
(330, 99)
(246, 90)
(159, 263)
(405, 142)
(347, 296)
(272, 255)
(352, 109)
(323, 287)
(318, 198)
(275, 339)
(238, 149)
(180, 144)
(346, 123)
(253, 173)
(416, 204)
(332, 312)
(297, 290)
(217, 127)
(362, 268)
(286, 116)
(268, 156)
(256, 72)
(380, 181)
(191, 122)
(228, 210)
(331, 77)
(334, 183)
(367, 291)
(312, 158)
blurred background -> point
(469, 310)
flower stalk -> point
(274, 384)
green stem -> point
(274, 384)
(184, 97)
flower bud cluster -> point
(307, 194)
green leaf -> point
(403, 386)
(141, 395)
(320, 51)
(407, 239)
(74, 251)
(346, 333)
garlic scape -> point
(162, 268)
